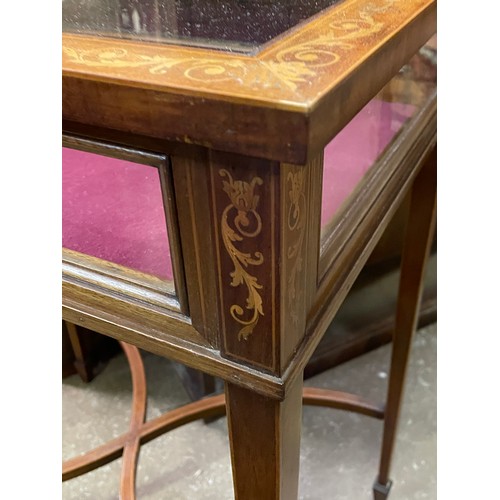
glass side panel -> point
(233, 25)
(356, 148)
(113, 209)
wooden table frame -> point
(239, 142)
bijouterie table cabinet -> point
(227, 169)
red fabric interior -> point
(112, 209)
(356, 148)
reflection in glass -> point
(361, 142)
(113, 209)
(227, 24)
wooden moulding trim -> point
(350, 260)
(144, 88)
(171, 218)
(291, 73)
(359, 203)
(172, 335)
(126, 139)
(112, 276)
(112, 150)
(333, 109)
(174, 338)
(222, 125)
(192, 191)
(114, 279)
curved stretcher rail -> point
(141, 432)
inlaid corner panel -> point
(260, 217)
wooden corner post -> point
(266, 220)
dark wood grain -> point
(174, 338)
(265, 443)
(307, 101)
(418, 240)
(246, 214)
(299, 252)
(132, 445)
(264, 215)
(245, 135)
(354, 244)
(192, 184)
(167, 333)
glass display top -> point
(232, 25)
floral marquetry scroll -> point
(294, 62)
(266, 238)
(240, 220)
(296, 225)
(246, 212)
(300, 201)
(197, 70)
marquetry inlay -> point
(241, 220)
(296, 225)
(284, 70)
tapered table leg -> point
(265, 443)
(419, 234)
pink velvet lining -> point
(113, 210)
(356, 148)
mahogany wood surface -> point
(191, 182)
(307, 84)
(342, 401)
(352, 250)
(418, 240)
(240, 140)
(265, 433)
(166, 333)
(132, 445)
